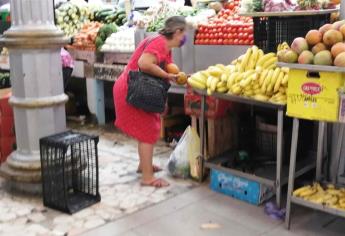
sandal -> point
(155, 169)
(157, 183)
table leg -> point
(320, 143)
(95, 98)
(335, 164)
(292, 169)
(202, 137)
(279, 155)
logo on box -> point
(311, 88)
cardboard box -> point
(314, 95)
(7, 145)
(7, 127)
(240, 188)
(5, 108)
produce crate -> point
(314, 95)
(70, 179)
(240, 188)
(220, 134)
(273, 30)
(214, 107)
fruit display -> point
(71, 16)
(248, 6)
(329, 195)
(253, 75)
(122, 41)
(324, 46)
(104, 32)
(181, 76)
(86, 38)
(226, 28)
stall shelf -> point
(319, 157)
(273, 177)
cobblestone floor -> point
(119, 187)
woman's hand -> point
(172, 77)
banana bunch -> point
(328, 196)
(253, 75)
(283, 46)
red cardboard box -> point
(5, 108)
(7, 127)
(215, 108)
(7, 145)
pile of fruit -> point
(108, 16)
(328, 196)
(253, 75)
(86, 38)
(181, 76)
(70, 17)
(226, 28)
(122, 41)
(324, 46)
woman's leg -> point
(145, 154)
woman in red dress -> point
(140, 125)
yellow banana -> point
(275, 76)
(263, 76)
(260, 97)
(266, 81)
(278, 82)
(221, 84)
(236, 89)
(222, 89)
(270, 63)
(245, 60)
(209, 92)
(285, 69)
(253, 58)
(199, 78)
(297, 192)
(196, 84)
(285, 79)
(308, 192)
(214, 84)
(231, 79)
(224, 77)
(265, 58)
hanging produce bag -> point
(183, 161)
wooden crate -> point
(221, 134)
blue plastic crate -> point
(239, 188)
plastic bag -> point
(183, 160)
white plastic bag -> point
(183, 160)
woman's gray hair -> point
(172, 24)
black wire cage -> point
(69, 167)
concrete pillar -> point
(38, 98)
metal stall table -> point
(270, 177)
(319, 157)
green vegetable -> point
(106, 30)
(99, 42)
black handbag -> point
(147, 92)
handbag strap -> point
(148, 41)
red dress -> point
(141, 125)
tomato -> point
(211, 36)
(206, 35)
(220, 41)
(226, 41)
(206, 41)
(201, 41)
(235, 42)
(240, 42)
(250, 30)
(235, 36)
(247, 42)
(245, 35)
(251, 42)
(231, 41)
(216, 35)
(233, 30)
(215, 41)
(251, 37)
(220, 35)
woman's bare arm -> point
(148, 64)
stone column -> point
(38, 99)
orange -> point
(182, 78)
(172, 69)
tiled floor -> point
(184, 215)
